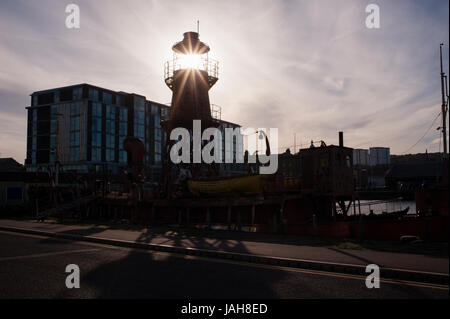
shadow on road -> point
(143, 274)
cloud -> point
(310, 68)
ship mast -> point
(444, 103)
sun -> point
(190, 61)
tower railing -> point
(216, 111)
(205, 64)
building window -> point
(110, 140)
(110, 112)
(158, 159)
(53, 111)
(52, 141)
(107, 98)
(74, 135)
(93, 94)
(75, 109)
(122, 156)
(121, 139)
(96, 139)
(75, 123)
(53, 126)
(157, 121)
(158, 148)
(123, 115)
(96, 154)
(123, 128)
(97, 109)
(119, 100)
(109, 155)
(139, 118)
(139, 131)
(75, 139)
(78, 93)
(123, 132)
(74, 154)
(96, 124)
(110, 127)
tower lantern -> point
(190, 75)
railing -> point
(205, 64)
(216, 111)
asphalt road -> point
(34, 267)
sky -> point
(310, 68)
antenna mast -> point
(444, 103)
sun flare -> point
(190, 61)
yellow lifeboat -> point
(243, 185)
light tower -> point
(190, 75)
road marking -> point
(49, 254)
(227, 261)
(292, 269)
(325, 273)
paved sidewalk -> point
(410, 262)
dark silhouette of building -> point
(412, 176)
(12, 184)
(289, 164)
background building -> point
(290, 164)
(379, 156)
(12, 184)
(84, 126)
(412, 176)
(361, 157)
